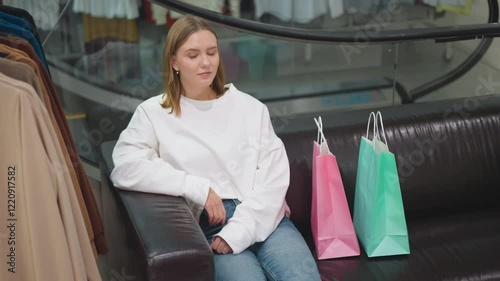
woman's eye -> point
(212, 54)
(192, 56)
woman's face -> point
(197, 59)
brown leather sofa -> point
(448, 157)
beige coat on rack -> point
(46, 225)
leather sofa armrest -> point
(152, 237)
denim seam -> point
(274, 277)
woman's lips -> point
(205, 74)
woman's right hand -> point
(215, 209)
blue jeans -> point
(284, 255)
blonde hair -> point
(177, 35)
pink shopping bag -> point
(331, 222)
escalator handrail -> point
(465, 66)
(359, 36)
(485, 32)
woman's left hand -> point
(220, 246)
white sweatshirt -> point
(227, 144)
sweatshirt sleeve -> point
(259, 214)
(138, 166)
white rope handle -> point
(368, 125)
(378, 117)
(320, 130)
(319, 127)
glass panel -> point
(300, 78)
(103, 68)
(422, 62)
(341, 15)
(388, 15)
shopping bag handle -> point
(372, 114)
(378, 117)
(319, 123)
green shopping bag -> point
(379, 218)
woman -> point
(216, 147)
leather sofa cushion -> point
(453, 247)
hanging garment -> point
(19, 56)
(18, 31)
(22, 72)
(50, 239)
(22, 14)
(445, 2)
(463, 10)
(462, 7)
(372, 6)
(235, 6)
(147, 11)
(155, 13)
(53, 105)
(212, 5)
(111, 48)
(336, 8)
(45, 12)
(9, 46)
(118, 29)
(159, 14)
(232, 8)
(291, 10)
(128, 9)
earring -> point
(177, 72)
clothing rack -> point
(52, 209)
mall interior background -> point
(100, 80)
